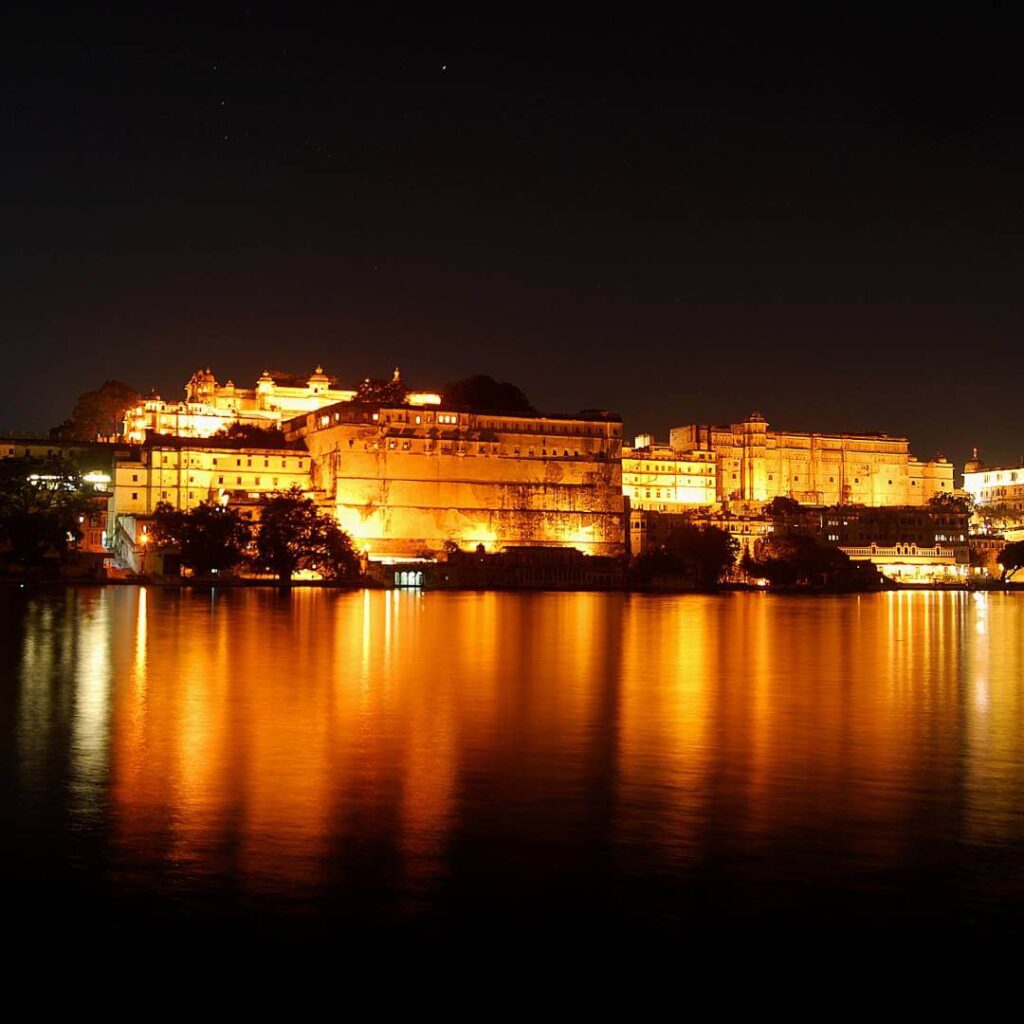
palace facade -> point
(414, 481)
(184, 472)
(210, 408)
(995, 485)
(755, 464)
(660, 478)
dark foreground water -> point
(321, 762)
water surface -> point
(324, 760)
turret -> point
(318, 381)
(973, 464)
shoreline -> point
(369, 583)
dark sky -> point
(683, 220)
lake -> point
(319, 760)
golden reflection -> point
(281, 738)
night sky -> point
(683, 220)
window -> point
(266, 463)
(238, 479)
(238, 462)
(220, 479)
(135, 478)
(257, 481)
(135, 495)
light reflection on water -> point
(398, 756)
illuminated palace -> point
(408, 481)
(210, 408)
(755, 464)
(995, 485)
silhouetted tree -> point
(1011, 558)
(252, 435)
(958, 504)
(781, 508)
(793, 558)
(377, 391)
(1000, 515)
(293, 534)
(708, 551)
(98, 413)
(485, 394)
(210, 537)
(41, 504)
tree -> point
(1000, 515)
(794, 558)
(957, 504)
(41, 507)
(293, 534)
(98, 413)
(485, 394)
(1011, 558)
(377, 391)
(254, 436)
(210, 538)
(710, 552)
(781, 508)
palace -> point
(210, 408)
(415, 481)
(755, 464)
(995, 485)
(660, 478)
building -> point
(1001, 486)
(907, 543)
(188, 471)
(408, 480)
(184, 472)
(660, 478)
(649, 529)
(755, 464)
(513, 568)
(210, 408)
(985, 551)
